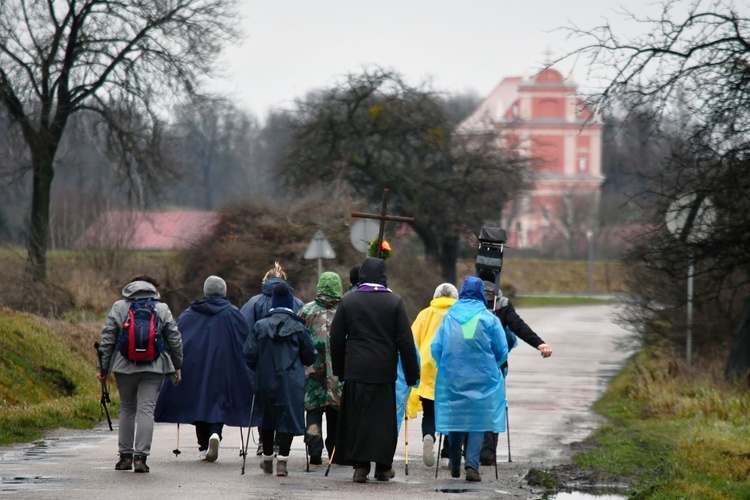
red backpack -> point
(141, 339)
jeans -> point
(473, 447)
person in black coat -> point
(368, 333)
(508, 316)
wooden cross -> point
(382, 217)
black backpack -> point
(141, 340)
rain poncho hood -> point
(329, 284)
(468, 348)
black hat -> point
(282, 297)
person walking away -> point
(139, 382)
(511, 320)
(468, 348)
(258, 306)
(424, 328)
(369, 331)
(323, 393)
(278, 349)
(218, 390)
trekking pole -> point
(177, 451)
(440, 443)
(406, 444)
(242, 443)
(247, 440)
(105, 391)
(330, 460)
(507, 425)
(307, 460)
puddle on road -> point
(579, 495)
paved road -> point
(549, 404)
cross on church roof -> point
(382, 217)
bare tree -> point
(691, 69)
(374, 131)
(120, 60)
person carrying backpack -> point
(137, 328)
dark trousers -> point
(488, 455)
(284, 440)
(378, 466)
(428, 423)
(204, 430)
(314, 430)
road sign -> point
(689, 219)
(319, 248)
(362, 233)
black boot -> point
(125, 462)
(139, 463)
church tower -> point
(544, 118)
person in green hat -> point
(323, 394)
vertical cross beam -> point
(382, 217)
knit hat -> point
(446, 290)
(215, 286)
(282, 297)
(354, 274)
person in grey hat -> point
(218, 388)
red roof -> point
(149, 230)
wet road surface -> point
(549, 407)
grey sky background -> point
(294, 46)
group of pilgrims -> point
(280, 365)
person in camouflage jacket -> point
(323, 393)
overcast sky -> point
(293, 46)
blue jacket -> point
(216, 385)
(258, 306)
(469, 347)
(278, 349)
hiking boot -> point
(213, 448)
(281, 468)
(139, 464)
(316, 460)
(266, 464)
(385, 475)
(455, 471)
(472, 475)
(360, 475)
(125, 462)
(428, 454)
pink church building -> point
(546, 119)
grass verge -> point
(44, 384)
(673, 434)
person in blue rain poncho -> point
(469, 348)
(218, 387)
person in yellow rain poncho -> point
(423, 397)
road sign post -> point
(690, 219)
(319, 248)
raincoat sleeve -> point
(307, 353)
(250, 349)
(498, 341)
(171, 335)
